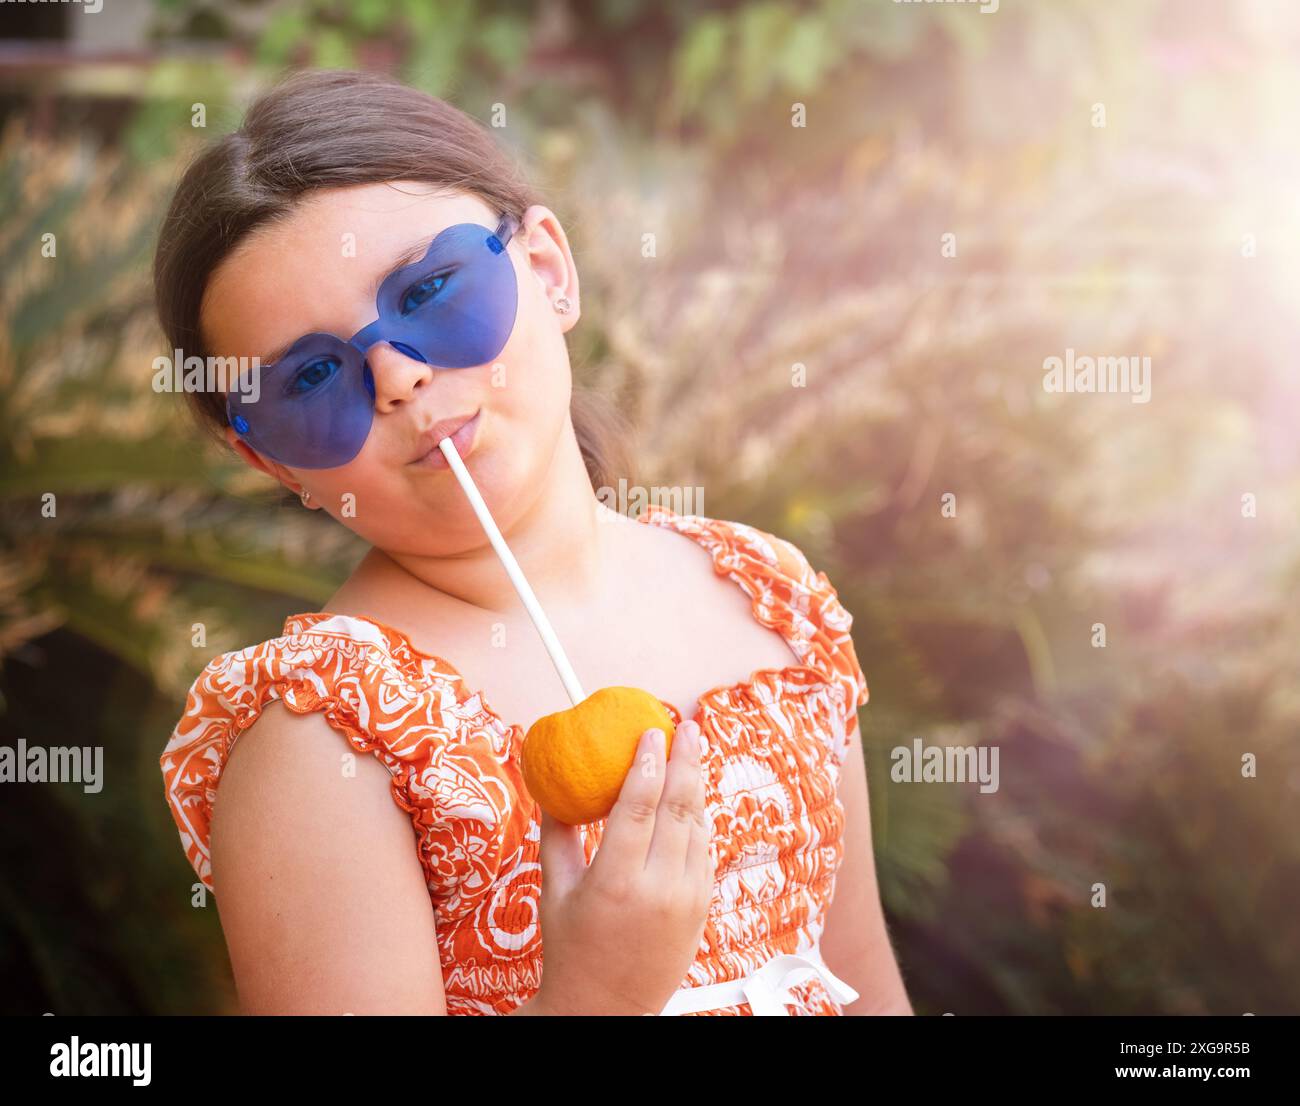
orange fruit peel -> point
(574, 761)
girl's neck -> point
(561, 543)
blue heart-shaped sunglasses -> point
(452, 309)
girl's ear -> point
(253, 458)
(246, 451)
(551, 260)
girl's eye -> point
(313, 375)
(419, 294)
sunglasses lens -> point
(457, 307)
(312, 409)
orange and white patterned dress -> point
(773, 745)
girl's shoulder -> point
(440, 743)
(788, 594)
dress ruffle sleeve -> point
(443, 750)
(825, 622)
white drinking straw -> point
(516, 574)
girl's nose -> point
(396, 370)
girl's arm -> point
(855, 943)
(321, 894)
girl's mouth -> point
(462, 430)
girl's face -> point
(318, 271)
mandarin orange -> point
(575, 760)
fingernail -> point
(657, 740)
(690, 732)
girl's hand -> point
(620, 935)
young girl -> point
(399, 281)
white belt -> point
(767, 990)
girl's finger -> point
(629, 829)
(681, 807)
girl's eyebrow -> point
(275, 356)
(406, 257)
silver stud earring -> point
(563, 305)
(305, 496)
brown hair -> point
(322, 128)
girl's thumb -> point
(563, 860)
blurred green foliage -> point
(776, 246)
